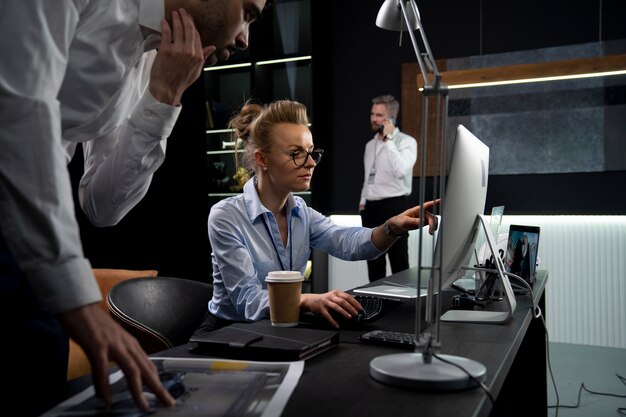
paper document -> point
(202, 387)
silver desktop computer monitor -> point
(462, 205)
(462, 221)
(465, 196)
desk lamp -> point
(424, 369)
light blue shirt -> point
(246, 245)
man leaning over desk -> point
(109, 74)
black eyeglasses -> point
(300, 157)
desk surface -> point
(337, 382)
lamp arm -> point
(418, 54)
(429, 54)
(429, 341)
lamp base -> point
(409, 370)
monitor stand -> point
(487, 317)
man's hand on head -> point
(179, 60)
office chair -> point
(161, 312)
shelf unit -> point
(277, 65)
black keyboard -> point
(372, 307)
(386, 337)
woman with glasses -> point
(267, 228)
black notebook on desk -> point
(263, 342)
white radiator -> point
(586, 260)
(586, 292)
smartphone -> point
(382, 127)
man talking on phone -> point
(388, 162)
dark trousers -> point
(34, 348)
(375, 214)
(211, 323)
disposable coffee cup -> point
(284, 289)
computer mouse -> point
(361, 316)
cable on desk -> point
(536, 311)
(472, 377)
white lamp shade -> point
(390, 16)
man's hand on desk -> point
(104, 340)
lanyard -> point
(373, 169)
(276, 249)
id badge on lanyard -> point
(371, 176)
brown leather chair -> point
(161, 312)
(78, 364)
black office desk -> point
(337, 382)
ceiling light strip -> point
(278, 61)
(224, 67)
(226, 152)
(215, 131)
(602, 66)
(536, 79)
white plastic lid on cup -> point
(284, 276)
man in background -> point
(109, 74)
(388, 162)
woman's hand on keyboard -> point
(335, 302)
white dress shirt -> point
(388, 166)
(74, 71)
(247, 244)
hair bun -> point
(243, 120)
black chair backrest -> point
(161, 312)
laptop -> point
(393, 292)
